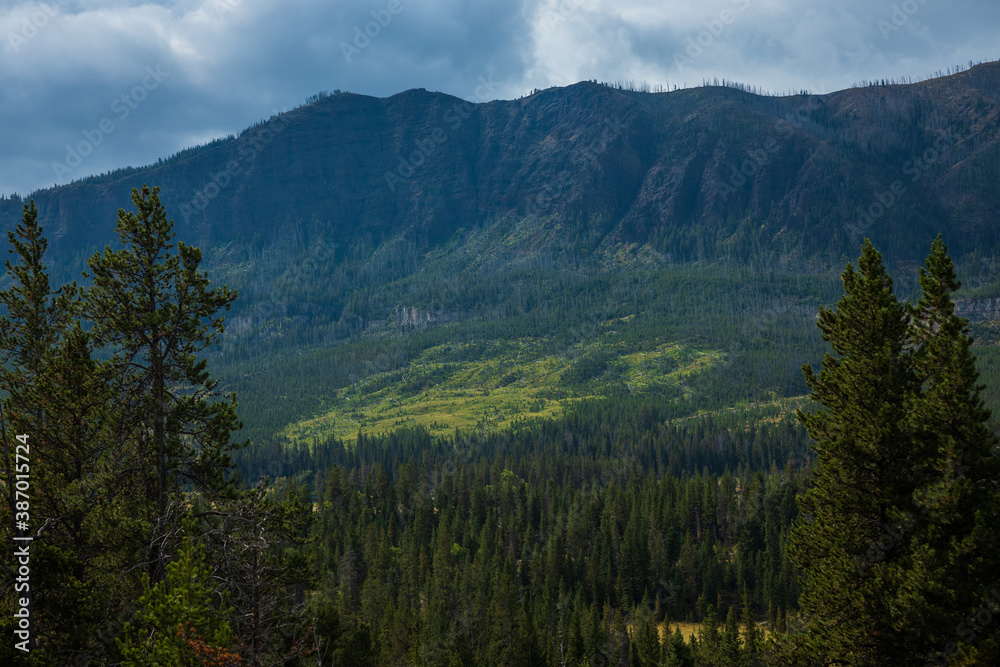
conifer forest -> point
(634, 424)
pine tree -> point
(753, 637)
(894, 540)
(952, 564)
(645, 637)
(678, 651)
(179, 622)
(729, 653)
(30, 330)
(92, 534)
(36, 315)
(853, 501)
(259, 550)
(156, 311)
(711, 637)
(337, 641)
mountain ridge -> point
(694, 173)
(710, 218)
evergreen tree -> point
(645, 638)
(92, 537)
(730, 654)
(35, 319)
(711, 638)
(259, 550)
(894, 541)
(55, 394)
(860, 475)
(36, 315)
(180, 622)
(953, 561)
(156, 311)
(335, 640)
(753, 637)
(678, 651)
(32, 325)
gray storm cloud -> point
(77, 73)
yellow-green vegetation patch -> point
(771, 411)
(490, 386)
(689, 630)
(669, 364)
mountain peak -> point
(718, 166)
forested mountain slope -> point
(521, 376)
(586, 222)
(628, 166)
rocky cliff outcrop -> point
(411, 318)
(979, 310)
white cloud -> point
(64, 62)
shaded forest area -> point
(160, 536)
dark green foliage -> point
(646, 649)
(36, 315)
(337, 640)
(545, 543)
(893, 543)
(256, 545)
(155, 310)
(588, 367)
(861, 470)
(958, 463)
(549, 542)
(677, 652)
(62, 399)
(753, 636)
(28, 335)
(187, 597)
(94, 511)
(91, 471)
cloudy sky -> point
(130, 81)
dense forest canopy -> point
(589, 537)
(635, 423)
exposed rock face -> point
(263, 313)
(979, 310)
(237, 326)
(410, 317)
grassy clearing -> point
(470, 387)
(687, 629)
(694, 629)
(764, 412)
